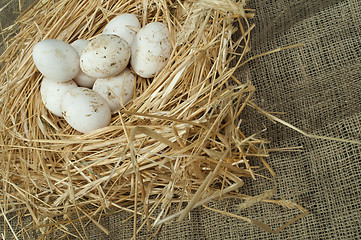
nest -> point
(176, 146)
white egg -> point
(52, 93)
(151, 49)
(116, 90)
(79, 44)
(82, 79)
(124, 25)
(56, 60)
(105, 56)
(85, 110)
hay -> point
(177, 143)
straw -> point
(177, 142)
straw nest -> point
(176, 146)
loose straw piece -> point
(207, 199)
(274, 118)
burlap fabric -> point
(318, 86)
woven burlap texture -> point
(318, 88)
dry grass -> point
(178, 142)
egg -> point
(81, 78)
(117, 90)
(151, 49)
(105, 56)
(85, 110)
(52, 93)
(56, 60)
(124, 25)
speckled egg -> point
(105, 56)
(85, 110)
(151, 49)
(117, 90)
